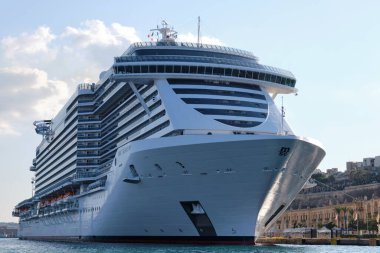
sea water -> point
(21, 246)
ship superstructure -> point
(175, 142)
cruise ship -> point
(176, 143)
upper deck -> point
(173, 52)
(180, 59)
(188, 46)
(168, 58)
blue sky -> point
(332, 47)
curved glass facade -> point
(203, 70)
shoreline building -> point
(341, 199)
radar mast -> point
(167, 34)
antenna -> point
(199, 28)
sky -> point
(332, 47)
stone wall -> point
(315, 209)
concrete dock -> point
(316, 241)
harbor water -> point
(20, 246)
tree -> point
(344, 209)
(319, 177)
(331, 179)
(372, 225)
(351, 218)
(338, 210)
(330, 225)
(360, 177)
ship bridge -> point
(170, 59)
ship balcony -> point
(90, 120)
(33, 168)
(25, 204)
(90, 87)
(85, 176)
(89, 138)
(34, 162)
(67, 182)
(87, 102)
(88, 156)
(24, 214)
(90, 146)
(97, 184)
(86, 129)
(85, 111)
(72, 206)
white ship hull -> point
(176, 142)
(241, 182)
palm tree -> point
(338, 210)
(345, 209)
(351, 212)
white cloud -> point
(36, 42)
(27, 94)
(7, 129)
(189, 37)
(48, 106)
(95, 32)
(40, 69)
(126, 33)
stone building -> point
(8, 232)
(314, 210)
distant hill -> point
(9, 225)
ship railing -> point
(29, 215)
(24, 214)
(90, 175)
(280, 77)
(186, 58)
(85, 110)
(88, 146)
(70, 209)
(97, 184)
(89, 137)
(89, 120)
(86, 86)
(209, 47)
(85, 176)
(87, 128)
(82, 102)
(104, 167)
(26, 202)
(55, 187)
(16, 213)
(199, 59)
(51, 210)
(88, 156)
